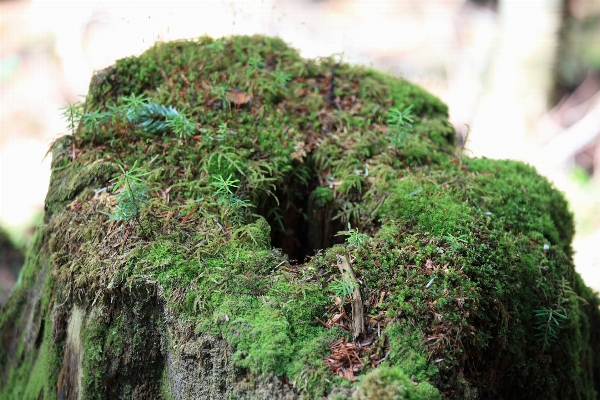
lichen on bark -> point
(222, 284)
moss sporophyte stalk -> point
(228, 220)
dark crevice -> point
(40, 334)
(301, 224)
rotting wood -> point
(358, 321)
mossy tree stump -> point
(223, 279)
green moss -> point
(461, 251)
(70, 181)
(391, 383)
(425, 390)
(524, 203)
(405, 352)
(30, 359)
(121, 350)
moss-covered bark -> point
(11, 262)
(211, 272)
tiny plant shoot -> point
(355, 238)
(216, 46)
(548, 326)
(282, 78)
(134, 106)
(155, 118)
(255, 64)
(225, 196)
(342, 289)
(181, 125)
(400, 123)
(92, 120)
(72, 114)
(134, 194)
(400, 118)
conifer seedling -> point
(134, 194)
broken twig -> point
(358, 321)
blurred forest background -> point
(524, 75)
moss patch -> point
(236, 246)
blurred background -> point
(524, 75)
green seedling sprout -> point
(227, 197)
(548, 326)
(207, 136)
(134, 194)
(223, 186)
(222, 129)
(456, 243)
(155, 118)
(400, 122)
(115, 113)
(72, 114)
(342, 289)
(255, 64)
(355, 238)
(93, 120)
(134, 106)
(282, 78)
(181, 125)
(400, 118)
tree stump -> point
(197, 213)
